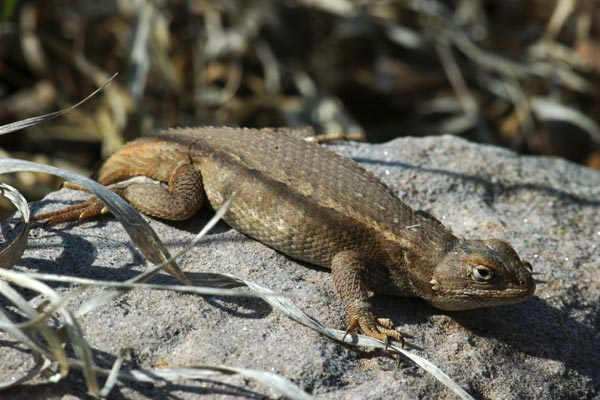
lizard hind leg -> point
(178, 201)
(182, 198)
(352, 277)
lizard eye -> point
(481, 274)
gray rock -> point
(544, 348)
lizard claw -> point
(352, 327)
(379, 328)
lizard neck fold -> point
(414, 253)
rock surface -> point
(547, 347)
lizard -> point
(317, 206)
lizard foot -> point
(90, 208)
(379, 328)
(87, 209)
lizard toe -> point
(87, 209)
(379, 328)
(76, 186)
(385, 334)
(386, 326)
(385, 323)
(93, 209)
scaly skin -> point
(316, 206)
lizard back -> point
(309, 180)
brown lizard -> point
(317, 206)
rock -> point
(546, 347)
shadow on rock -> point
(535, 328)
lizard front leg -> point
(353, 278)
(181, 199)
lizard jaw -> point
(468, 299)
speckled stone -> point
(544, 348)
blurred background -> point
(523, 74)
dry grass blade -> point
(138, 229)
(470, 107)
(13, 251)
(209, 289)
(73, 329)
(12, 328)
(82, 349)
(339, 7)
(51, 347)
(112, 376)
(562, 11)
(139, 57)
(550, 110)
(25, 123)
(19, 335)
(487, 60)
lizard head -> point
(481, 273)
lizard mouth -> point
(506, 293)
(525, 289)
(471, 298)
